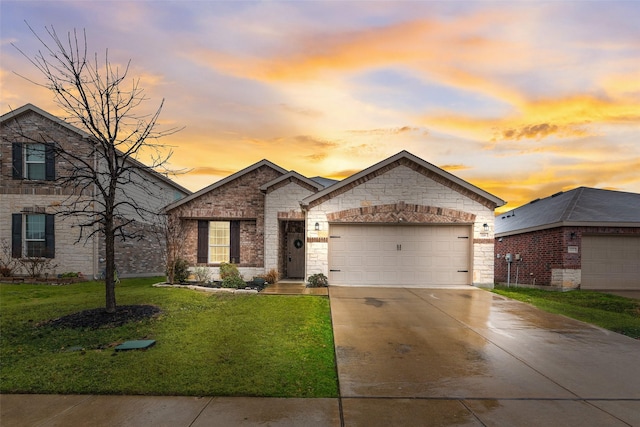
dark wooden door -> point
(295, 255)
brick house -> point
(30, 192)
(584, 238)
(402, 221)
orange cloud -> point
(564, 117)
(457, 167)
(523, 186)
(386, 131)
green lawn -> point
(207, 344)
(611, 312)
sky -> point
(520, 98)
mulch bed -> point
(99, 318)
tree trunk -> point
(109, 282)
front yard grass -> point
(612, 312)
(206, 344)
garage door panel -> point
(610, 262)
(399, 255)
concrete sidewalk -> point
(137, 411)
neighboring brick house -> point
(584, 238)
(401, 222)
(31, 192)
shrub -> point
(37, 266)
(180, 270)
(318, 280)
(8, 264)
(202, 274)
(69, 275)
(229, 270)
(234, 282)
(272, 276)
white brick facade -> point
(70, 255)
(284, 200)
(402, 185)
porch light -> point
(486, 227)
(317, 226)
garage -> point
(388, 255)
(610, 262)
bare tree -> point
(170, 235)
(102, 100)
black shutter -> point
(16, 235)
(234, 243)
(49, 162)
(49, 236)
(17, 160)
(203, 241)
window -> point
(219, 241)
(32, 235)
(33, 161)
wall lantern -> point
(317, 226)
(572, 235)
(486, 227)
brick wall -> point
(133, 257)
(139, 257)
(32, 127)
(546, 259)
(239, 199)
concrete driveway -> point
(469, 357)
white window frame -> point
(28, 163)
(219, 242)
(29, 240)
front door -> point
(295, 255)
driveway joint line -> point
(211, 399)
(335, 357)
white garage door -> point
(399, 255)
(610, 262)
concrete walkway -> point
(408, 357)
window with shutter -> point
(33, 161)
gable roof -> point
(324, 182)
(291, 174)
(335, 189)
(14, 114)
(226, 180)
(582, 206)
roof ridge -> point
(568, 210)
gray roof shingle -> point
(580, 206)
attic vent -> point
(557, 194)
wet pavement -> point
(405, 357)
(470, 357)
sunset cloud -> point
(522, 99)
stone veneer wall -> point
(399, 187)
(282, 203)
(69, 255)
